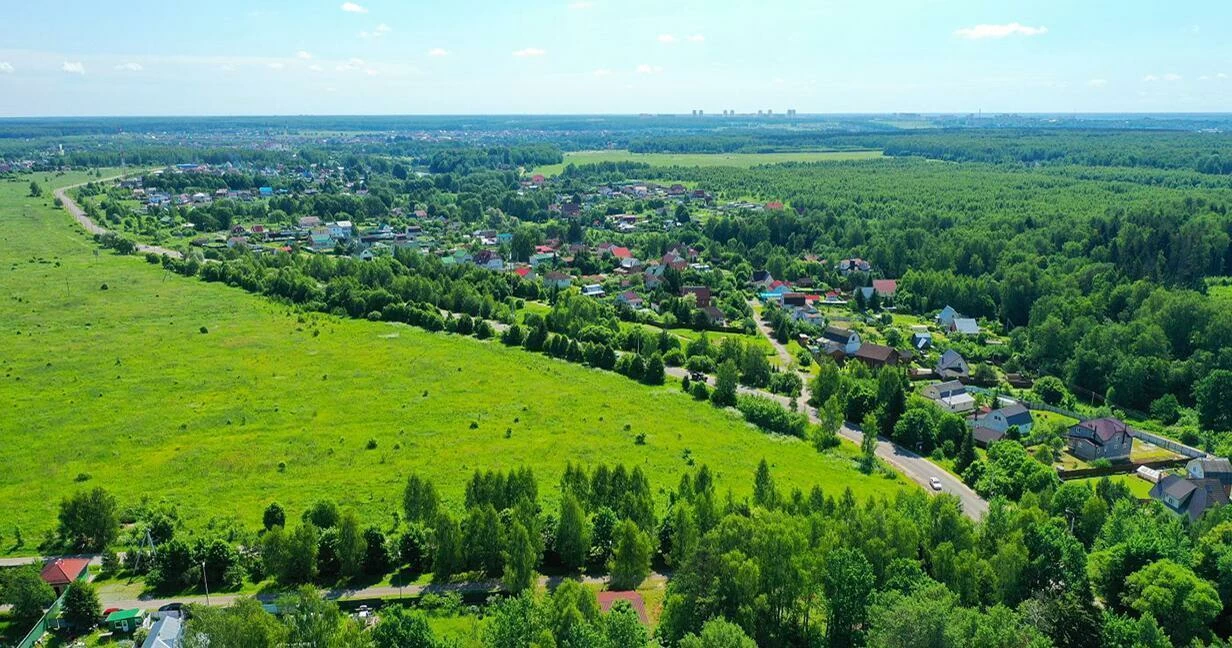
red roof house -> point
(62, 572)
(886, 287)
(774, 204)
(621, 252)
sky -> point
(263, 57)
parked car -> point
(934, 483)
(698, 376)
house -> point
(266, 192)
(714, 316)
(1013, 414)
(167, 632)
(848, 266)
(921, 340)
(774, 205)
(489, 260)
(1189, 497)
(1101, 438)
(59, 573)
(701, 293)
(524, 272)
(965, 326)
(557, 280)
(762, 278)
(877, 355)
(571, 210)
(886, 287)
(984, 437)
(308, 222)
(834, 338)
(808, 315)
(951, 396)
(126, 621)
(621, 253)
(341, 229)
(593, 290)
(537, 260)
(946, 317)
(952, 366)
(630, 299)
(237, 242)
(1217, 468)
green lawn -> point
(703, 159)
(1140, 488)
(120, 388)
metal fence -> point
(41, 627)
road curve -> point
(94, 228)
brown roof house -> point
(876, 355)
(62, 572)
(1189, 497)
(1101, 438)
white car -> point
(934, 483)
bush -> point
(1050, 389)
(704, 364)
(674, 358)
(770, 416)
(700, 391)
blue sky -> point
(229, 57)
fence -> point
(1169, 444)
(41, 627)
(1116, 469)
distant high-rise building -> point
(770, 111)
(700, 112)
(791, 112)
(760, 113)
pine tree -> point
(966, 454)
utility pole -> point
(207, 583)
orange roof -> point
(62, 571)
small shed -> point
(125, 620)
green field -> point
(703, 159)
(120, 388)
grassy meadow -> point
(169, 388)
(744, 160)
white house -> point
(341, 229)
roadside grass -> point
(166, 388)
(743, 160)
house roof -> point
(121, 615)
(966, 325)
(836, 334)
(945, 389)
(885, 286)
(1214, 466)
(621, 252)
(165, 633)
(1104, 428)
(1016, 414)
(1194, 496)
(62, 571)
(985, 435)
(876, 352)
(951, 359)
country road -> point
(94, 228)
(918, 469)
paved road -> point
(94, 228)
(915, 467)
(95, 559)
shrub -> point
(372, 444)
(204, 330)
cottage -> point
(877, 355)
(951, 396)
(308, 222)
(886, 288)
(714, 316)
(126, 621)
(59, 573)
(541, 258)
(593, 290)
(557, 280)
(952, 366)
(762, 278)
(946, 317)
(630, 299)
(834, 339)
(1217, 468)
(700, 293)
(921, 340)
(341, 229)
(965, 326)
(1013, 414)
(1101, 438)
(1189, 497)
(848, 266)
(167, 632)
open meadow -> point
(152, 385)
(743, 160)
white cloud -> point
(276, 65)
(351, 7)
(602, 72)
(646, 68)
(1150, 78)
(1173, 76)
(227, 67)
(129, 67)
(352, 64)
(667, 38)
(303, 56)
(1221, 75)
(380, 31)
(6, 67)
(529, 51)
(371, 72)
(581, 4)
(999, 31)
(1097, 83)
(73, 67)
(695, 38)
(316, 68)
(438, 52)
